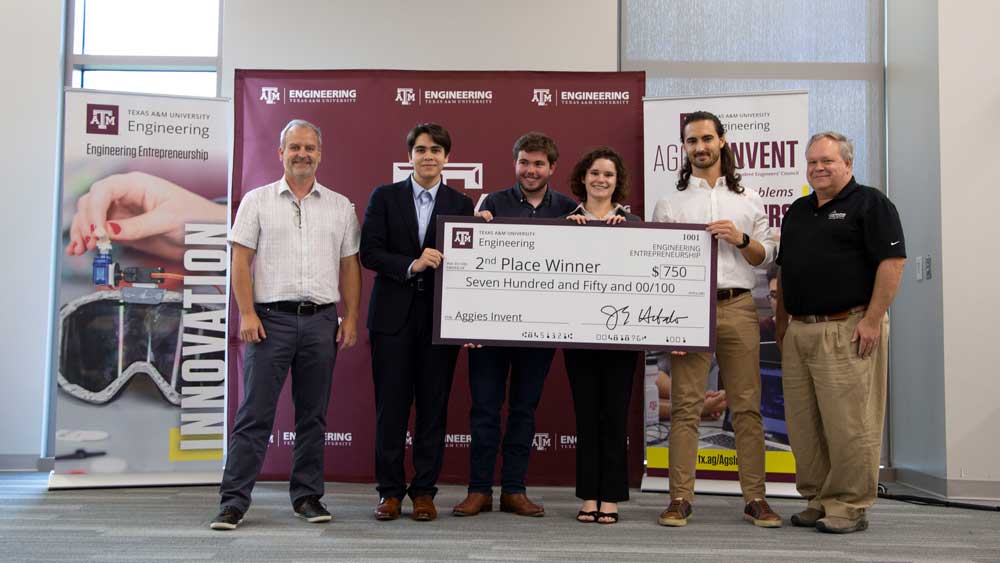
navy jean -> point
(488, 369)
(308, 346)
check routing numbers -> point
(641, 286)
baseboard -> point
(115, 480)
(24, 462)
(951, 489)
(922, 482)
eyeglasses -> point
(105, 341)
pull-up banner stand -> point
(141, 369)
(767, 133)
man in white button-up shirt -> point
(709, 191)
(298, 239)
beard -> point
(712, 159)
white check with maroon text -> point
(553, 283)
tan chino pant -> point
(834, 408)
(737, 349)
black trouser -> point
(308, 346)
(407, 369)
(601, 382)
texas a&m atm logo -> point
(102, 119)
(461, 237)
(270, 95)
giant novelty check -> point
(644, 286)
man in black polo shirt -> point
(535, 158)
(841, 257)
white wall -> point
(29, 105)
(943, 97)
(970, 204)
(572, 35)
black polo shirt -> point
(512, 203)
(829, 254)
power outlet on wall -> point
(920, 268)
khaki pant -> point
(737, 348)
(834, 408)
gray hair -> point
(846, 146)
(299, 123)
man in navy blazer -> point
(397, 243)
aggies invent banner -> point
(767, 133)
(365, 116)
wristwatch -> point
(745, 243)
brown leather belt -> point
(723, 294)
(832, 317)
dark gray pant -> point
(307, 345)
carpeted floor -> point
(171, 524)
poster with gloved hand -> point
(140, 367)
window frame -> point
(83, 63)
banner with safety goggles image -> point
(141, 366)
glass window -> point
(147, 46)
(151, 82)
(834, 49)
(752, 30)
(176, 28)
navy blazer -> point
(389, 244)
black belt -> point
(295, 307)
(832, 317)
(723, 294)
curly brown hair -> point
(577, 186)
(725, 155)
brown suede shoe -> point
(387, 509)
(676, 514)
(520, 504)
(473, 504)
(423, 508)
(760, 513)
(838, 525)
(807, 518)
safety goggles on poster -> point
(105, 341)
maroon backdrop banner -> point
(365, 115)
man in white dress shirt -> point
(709, 191)
(298, 239)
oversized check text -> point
(643, 286)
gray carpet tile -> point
(170, 524)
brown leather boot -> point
(423, 508)
(473, 504)
(520, 504)
(387, 509)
